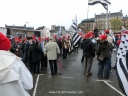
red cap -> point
(47, 39)
(59, 39)
(54, 36)
(4, 42)
(34, 37)
(87, 35)
(107, 31)
(63, 37)
(103, 37)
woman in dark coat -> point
(34, 57)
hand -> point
(58, 55)
(17, 49)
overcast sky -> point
(52, 12)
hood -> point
(6, 60)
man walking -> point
(89, 53)
(51, 49)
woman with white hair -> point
(51, 49)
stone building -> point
(100, 21)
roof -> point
(125, 18)
(52, 31)
(19, 27)
(88, 20)
(116, 14)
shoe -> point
(114, 67)
(99, 77)
(89, 74)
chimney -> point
(121, 11)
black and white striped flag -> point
(103, 2)
(70, 45)
(122, 64)
(75, 36)
(74, 25)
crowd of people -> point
(35, 54)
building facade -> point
(100, 21)
(87, 25)
(58, 30)
(21, 31)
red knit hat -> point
(54, 36)
(59, 39)
(87, 35)
(4, 42)
(103, 37)
(107, 31)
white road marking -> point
(114, 88)
(106, 82)
(37, 79)
(67, 77)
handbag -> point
(100, 58)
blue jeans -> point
(110, 62)
(104, 66)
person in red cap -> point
(51, 49)
(17, 47)
(15, 79)
(89, 53)
(59, 42)
(103, 55)
(64, 47)
(44, 58)
(110, 40)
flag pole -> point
(87, 11)
(76, 24)
(87, 15)
(107, 25)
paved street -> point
(73, 82)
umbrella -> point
(60, 66)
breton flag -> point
(75, 37)
(122, 63)
(103, 2)
(112, 35)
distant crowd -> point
(36, 53)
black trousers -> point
(44, 63)
(53, 67)
(36, 67)
(64, 54)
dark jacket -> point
(88, 48)
(59, 44)
(19, 47)
(34, 53)
(104, 49)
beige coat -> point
(51, 49)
